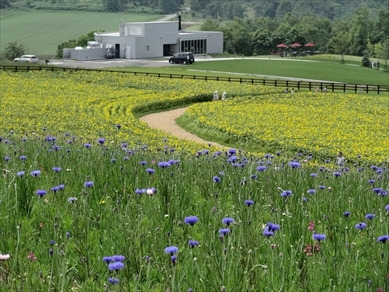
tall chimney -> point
(179, 21)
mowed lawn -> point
(42, 31)
(320, 70)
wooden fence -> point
(296, 84)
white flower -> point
(4, 257)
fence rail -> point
(310, 85)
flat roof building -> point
(140, 40)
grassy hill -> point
(42, 31)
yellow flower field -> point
(90, 105)
(317, 123)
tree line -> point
(358, 34)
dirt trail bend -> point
(166, 121)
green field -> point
(320, 69)
(42, 31)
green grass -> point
(275, 68)
(42, 31)
(325, 71)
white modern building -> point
(139, 40)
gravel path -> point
(165, 121)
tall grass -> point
(135, 206)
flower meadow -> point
(93, 200)
(312, 122)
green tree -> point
(362, 26)
(382, 52)
(262, 42)
(4, 4)
(210, 25)
(64, 45)
(12, 51)
(340, 44)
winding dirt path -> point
(165, 121)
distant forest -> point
(255, 27)
(217, 9)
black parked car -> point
(182, 58)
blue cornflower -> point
(7, 158)
(23, 157)
(231, 151)
(56, 147)
(108, 259)
(171, 250)
(61, 187)
(232, 159)
(377, 190)
(52, 242)
(20, 173)
(216, 179)
(383, 193)
(88, 145)
(322, 187)
(311, 191)
(249, 202)
(55, 189)
(266, 232)
(101, 141)
(173, 161)
(361, 225)
(150, 170)
(319, 237)
(192, 220)
(164, 164)
(173, 259)
(294, 164)
(193, 243)
(383, 238)
(387, 208)
(228, 220)
(88, 184)
(115, 266)
(273, 226)
(261, 168)
(346, 214)
(370, 216)
(57, 169)
(336, 174)
(118, 258)
(35, 173)
(313, 174)
(253, 176)
(143, 163)
(371, 181)
(113, 280)
(224, 231)
(41, 193)
(286, 193)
